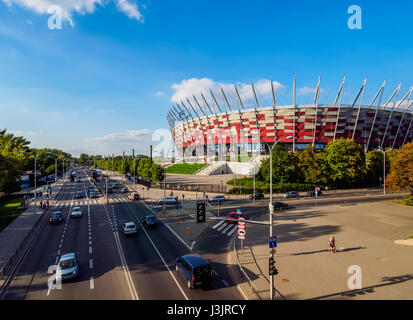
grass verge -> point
(185, 168)
(9, 210)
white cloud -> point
(22, 133)
(160, 93)
(189, 87)
(70, 7)
(307, 90)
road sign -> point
(273, 242)
(242, 232)
(239, 212)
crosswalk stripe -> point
(222, 227)
(218, 224)
(227, 228)
(229, 233)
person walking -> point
(41, 204)
(332, 244)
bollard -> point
(189, 230)
(163, 210)
(177, 220)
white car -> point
(129, 228)
(76, 212)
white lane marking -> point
(156, 249)
(222, 227)
(218, 224)
(224, 282)
(92, 283)
(128, 276)
(214, 272)
(227, 228)
(90, 250)
(91, 263)
(232, 231)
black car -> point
(258, 196)
(79, 195)
(56, 217)
(312, 193)
(280, 206)
(110, 190)
(150, 222)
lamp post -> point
(271, 206)
(384, 168)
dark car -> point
(196, 270)
(312, 193)
(56, 217)
(133, 196)
(292, 194)
(218, 199)
(280, 206)
(168, 200)
(150, 222)
(110, 190)
(79, 195)
(257, 196)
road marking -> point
(91, 263)
(156, 249)
(232, 231)
(214, 272)
(218, 224)
(90, 250)
(226, 283)
(92, 283)
(222, 227)
(227, 228)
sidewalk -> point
(12, 237)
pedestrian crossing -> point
(225, 228)
(79, 203)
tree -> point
(401, 176)
(345, 163)
(284, 166)
(311, 166)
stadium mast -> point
(340, 95)
(316, 107)
(381, 90)
(294, 103)
(401, 120)
(274, 103)
(358, 111)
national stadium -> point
(209, 123)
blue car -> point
(196, 270)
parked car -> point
(150, 222)
(110, 190)
(76, 212)
(129, 228)
(56, 217)
(233, 215)
(67, 268)
(312, 193)
(79, 195)
(168, 200)
(258, 196)
(195, 270)
(218, 199)
(116, 186)
(292, 194)
(280, 206)
(133, 196)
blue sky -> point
(104, 82)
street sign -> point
(242, 232)
(273, 242)
(239, 212)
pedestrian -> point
(172, 193)
(41, 204)
(326, 189)
(332, 244)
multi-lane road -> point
(112, 266)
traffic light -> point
(273, 269)
(200, 212)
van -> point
(196, 270)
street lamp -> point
(55, 166)
(384, 168)
(271, 206)
(35, 174)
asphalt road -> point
(112, 266)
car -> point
(67, 267)
(312, 193)
(125, 190)
(110, 190)
(257, 196)
(168, 200)
(233, 215)
(116, 186)
(129, 228)
(93, 194)
(79, 195)
(78, 180)
(56, 217)
(292, 194)
(91, 187)
(133, 196)
(280, 206)
(195, 270)
(150, 222)
(218, 199)
(76, 212)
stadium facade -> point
(203, 126)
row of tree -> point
(341, 164)
(141, 166)
(13, 162)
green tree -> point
(311, 166)
(284, 166)
(401, 176)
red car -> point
(232, 215)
